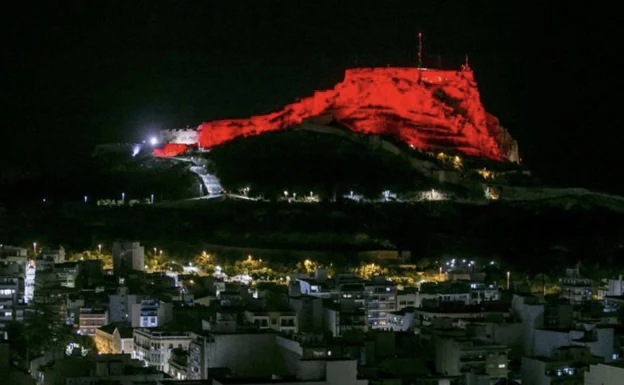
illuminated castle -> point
(432, 110)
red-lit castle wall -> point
(428, 109)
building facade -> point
(462, 356)
(567, 365)
(91, 319)
(151, 313)
(154, 347)
(128, 256)
(282, 321)
(574, 288)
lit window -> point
(501, 366)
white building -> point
(120, 305)
(97, 369)
(459, 356)
(599, 340)
(402, 320)
(90, 319)
(151, 313)
(605, 374)
(282, 321)
(29, 283)
(244, 353)
(12, 254)
(154, 347)
(615, 287)
(314, 372)
(66, 273)
(340, 318)
(566, 366)
(128, 256)
(575, 288)
(48, 257)
(303, 359)
(407, 297)
(378, 297)
(11, 304)
(381, 300)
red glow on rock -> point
(428, 109)
(170, 150)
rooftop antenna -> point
(419, 49)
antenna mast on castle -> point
(466, 67)
(419, 49)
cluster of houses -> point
(318, 330)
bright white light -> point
(153, 140)
(136, 149)
(491, 263)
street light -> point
(152, 199)
(85, 199)
(123, 197)
(35, 247)
(508, 275)
(100, 249)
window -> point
(501, 366)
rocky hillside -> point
(431, 110)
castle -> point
(432, 110)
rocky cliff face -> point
(428, 109)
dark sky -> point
(76, 74)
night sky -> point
(76, 74)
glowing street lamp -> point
(153, 140)
(100, 249)
(123, 197)
(508, 275)
(35, 247)
(152, 199)
(85, 199)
